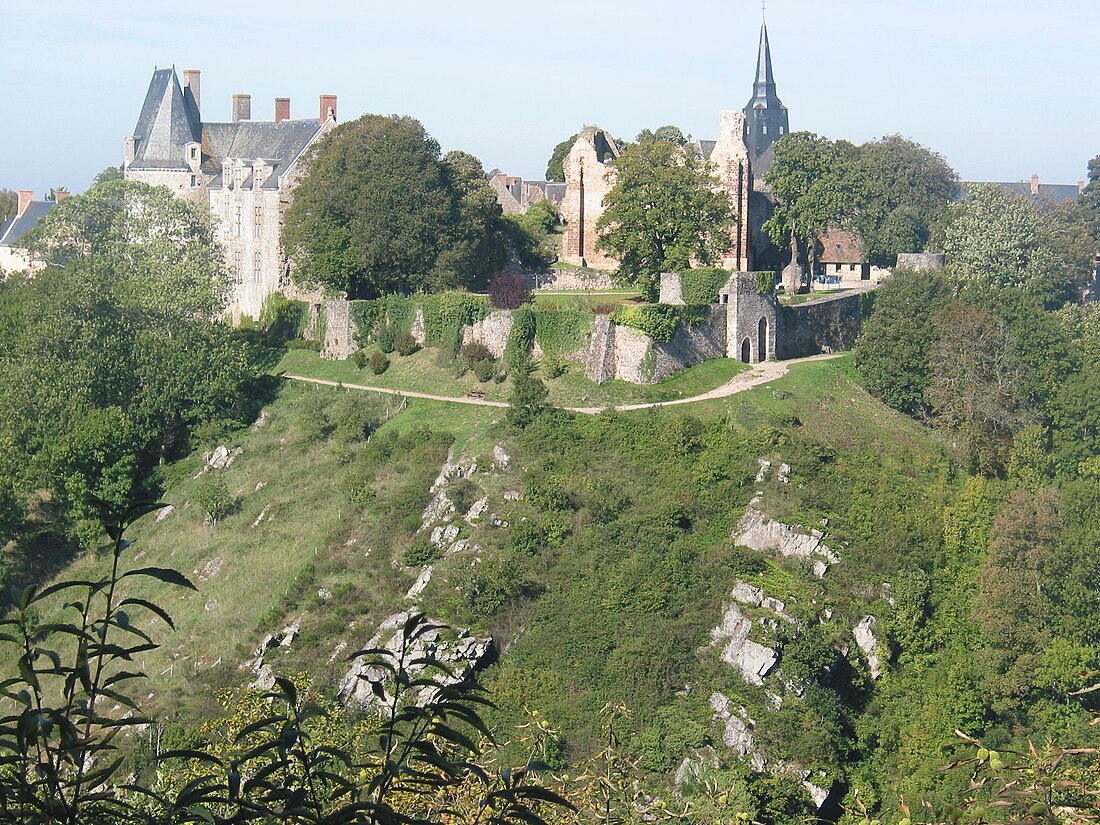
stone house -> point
(243, 171)
(589, 176)
(842, 263)
(13, 257)
(516, 195)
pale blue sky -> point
(1002, 88)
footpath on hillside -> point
(759, 374)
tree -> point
(509, 291)
(908, 189)
(669, 133)
(664, 212)
(554, 170)
(528, 400)
(975, 386)
(9, 203)
(995, 239)
(893, 350)
(379, 211)
(107, 175)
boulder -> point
(759, 532)
(751, 659)
(864, 634)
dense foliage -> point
(113, 355)
(381, 211)
(664, 213)
(658, 321)
(893, 191)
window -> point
(838, 266)
(194, 181)
(237, 265)
(257, 266)
(238, 222)
(781, 130)
(194, 152)
(851, 267)
(764, 128)
(257, 220)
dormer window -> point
(194, 152)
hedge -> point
(561, 331)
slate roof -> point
(839, 246)
(1049, 192)
(16, 228)
(169, 120)
(706, 147)
(166, 124)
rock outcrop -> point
(865, 637)
(759, 532)
(751, 659)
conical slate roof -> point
(165, 125)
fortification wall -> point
(827, 325)
(340, 330)
(492, 331)
(556, 279)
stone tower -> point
(765, 114)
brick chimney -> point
(1034, 185)
(25, 198)
(282, 109)
(242, 108)
(60, 196)
(328, 106)
(191, 83)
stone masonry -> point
(588, 178)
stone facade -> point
(13, 257)
(244, 171)
(751, 319)
(556, 279)
(589, 176)
(921, 260)
(492, 331)
(730, 163)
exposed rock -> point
(784, 474)
(477, 510)
(738, 730)
(753, 660)
(324, 594)
(463, 546)
(864, 633)
(458, 650)
(336, 651)
(762, 473)
(444, 535)
(420, 583)
(210, 605)
(692, 768)
(260, 422)
(513, 495)
(265, 678)
(758, 532)
(222, 457)
(747, 594)
(211, 568)
(817, 793)
(260, 485)
(450, 470)
(261, 516)
(502, 459)
(166, 512)
(439, 507)
(497, 521)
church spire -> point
(765, 114)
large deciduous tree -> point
(664, 212)
(380, 211)
(9, 203)
(555, 165)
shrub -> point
(405, 344)
(422, 553)
(553, 366)
(361, 358)
(214, 500)
(282, 319)
(509, 291)
(516, 351)
(474, 352)
(561, 331)
(658, 321)
(485, 370)
(385, 337)
(378, 363)
(463, 494)
(352, 419)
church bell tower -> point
(765, 114)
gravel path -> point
(759, 374)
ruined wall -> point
(492, 331)
(921, 260)
(340, 330)
(752, 319)
(730, 159)
(672, 289)
(827, 325)
(586, 184)
(555, 279)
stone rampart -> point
(827, 325)
(556, 279)
(921, 260)
(492, 331)
(340, 330)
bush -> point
(405, 344)
(282, 319)
(352, 419)
(508, 291)
(474, 352)
(463, 494)
(378, 363)
(361, 358)
(553, 366)
(385, 337)
(485, 370)
(562, 331)
(422, 553)
(214, 500)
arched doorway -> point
(762, 339)
(746, 352)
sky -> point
(1002, 88)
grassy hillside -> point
(603, 588)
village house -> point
(13, 257)
(243, 171)
(842, 264)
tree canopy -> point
(893, 191)
(380, 211)
(664, 212)
(554, 166)
(9, 203)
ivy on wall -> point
(561, 331)
(659, 321)
(700, 286)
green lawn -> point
(791, 300)
(585, 300)
(423, 372)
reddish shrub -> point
(509, 291)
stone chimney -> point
(282, 109)
(60, 196)
(1080, 186)
(25, 198)
(1034, 185)
(242, 108)
(328, 107)
(191, 83)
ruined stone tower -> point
(765, 114)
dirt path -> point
(759, 374)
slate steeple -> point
(765, 114)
